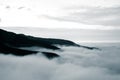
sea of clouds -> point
(74, 64)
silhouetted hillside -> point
(21, 40)
(10, 43)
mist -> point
(74, 64)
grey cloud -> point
(93, 15)
(74, 64)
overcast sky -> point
(85, 14)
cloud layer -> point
(74, 64)
(65, 13)
(107, 17)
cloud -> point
(109, 16)
(31, 13)
(74, 64)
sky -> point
(82, 14)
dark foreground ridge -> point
(18, 52)
(11, 42)
(21, 40)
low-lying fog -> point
(74, 64)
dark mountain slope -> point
(10, 43)
(20, 40)
(5, 49)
